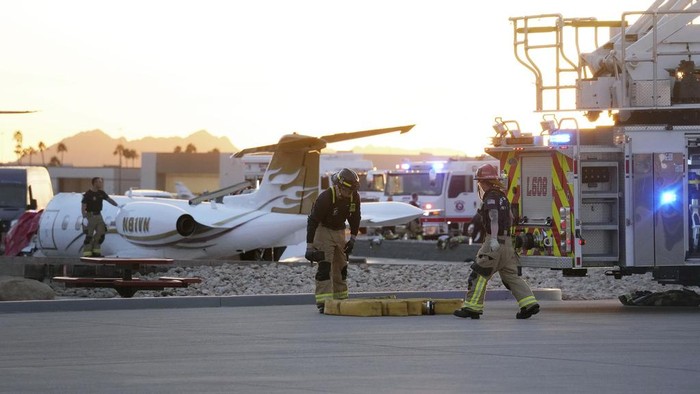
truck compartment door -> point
(658, 202)
(536, 188)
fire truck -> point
(371, 180)
(624, 195)
(446, 191)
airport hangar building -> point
(200, 172)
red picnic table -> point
(127, 285)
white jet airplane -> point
(267, 219)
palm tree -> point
(42, 148)
(178, 149)
(119, 151)
(54, 162)
(127, 155)
(130, 154)
(61, 149)
(22, 154)
(30, 151)
(133, 156)
(18, 147)
(190, 148)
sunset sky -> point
(256, 69)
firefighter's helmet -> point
(346, 178)
(487, 172)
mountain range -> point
(95, 148)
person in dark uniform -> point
(496, 253)
(325, 235)
(93, 224)
(414, 229)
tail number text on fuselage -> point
(139, 224)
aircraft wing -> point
(388, 213)
(365, 133)
(15, 112)
(295, 142)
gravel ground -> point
(283, 278)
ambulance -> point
(446, 192)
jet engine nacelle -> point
(154, 223)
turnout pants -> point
(415, 229)
(505, 262)
(94, 235)
(331, 276)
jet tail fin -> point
(291, 181)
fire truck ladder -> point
(534, 35)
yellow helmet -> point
(346, 178)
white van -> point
(21, 189)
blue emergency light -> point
(668, 197)
(560, 139)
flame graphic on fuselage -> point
(288, 186)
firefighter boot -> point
(466, 312)
(527, 311)
(320, 308)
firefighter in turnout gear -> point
(496, 253)
(93, 225)
(325, 235)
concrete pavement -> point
(571, 346)
(141, 302)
